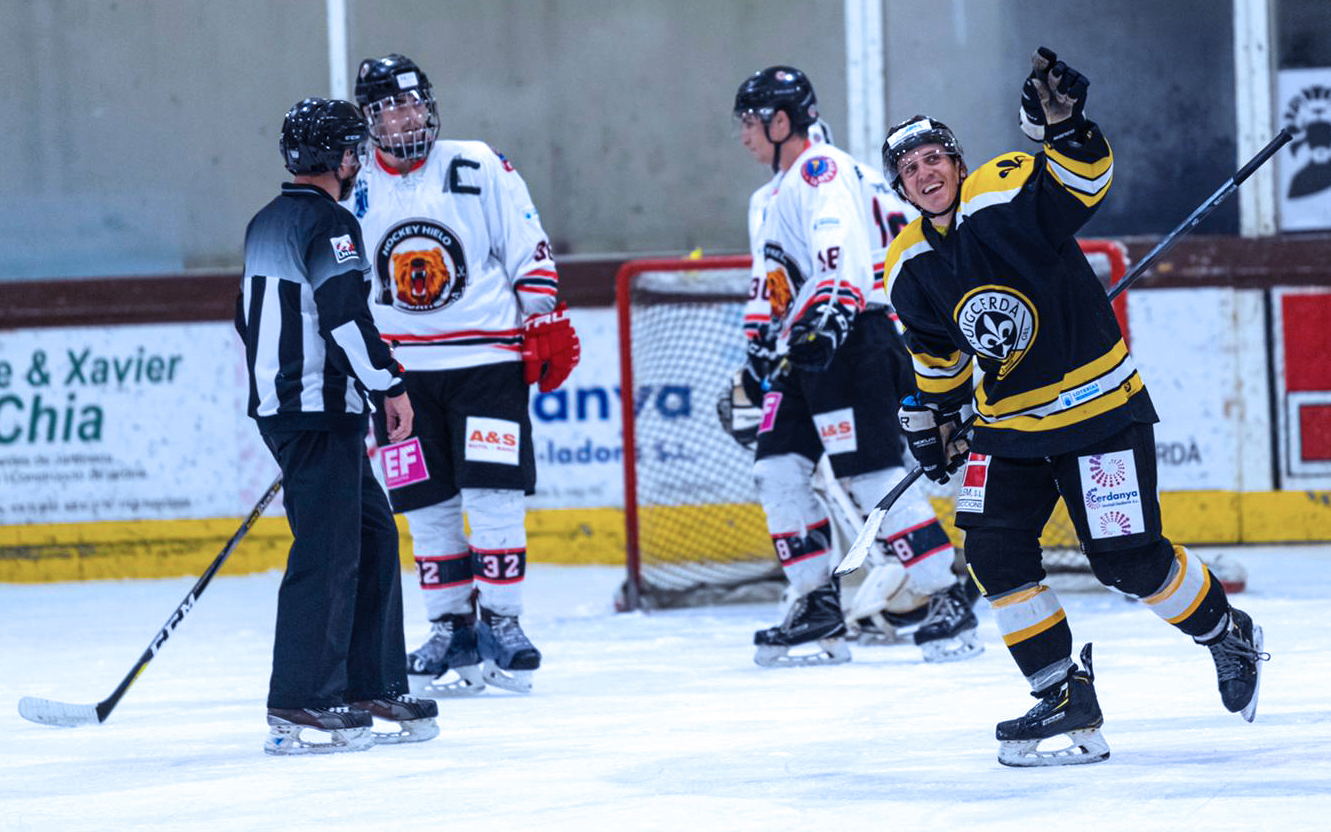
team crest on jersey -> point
(420, 266)
(999, 323)
(818, 170)
(783, 279)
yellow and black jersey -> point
(1003, 306)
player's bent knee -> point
(1002, 560)
(1139, 571)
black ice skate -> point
(449, 663)
(347, 729)
(947, 633)
(414, 718)
(816, 618)
(1068, 708)
(1238, 663)
(509, 655)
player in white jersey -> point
(826, 361)
(466, 290)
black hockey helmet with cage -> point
(914, 132)
(778, 88)
(317, 132)
(390, 81)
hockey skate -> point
(1238, 660)
(816, 619)
(449, 663)
(348, 729)
(947, 633)
(414, 718)
(509, 655)
(1068, 708)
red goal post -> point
(694, 531)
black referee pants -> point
(339, 634)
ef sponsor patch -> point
(403, 463)
(492, 440)
(818, 170)
(1111, 495)
(836, 429)
(771, 402)
(974, 477)
(344, 248)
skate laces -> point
(508, 631)
(1234, 655)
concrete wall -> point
(143, 134)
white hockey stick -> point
(51, 712)
(859, 550)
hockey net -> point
(695, 532)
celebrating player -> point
(831, 360)
(312, 352)
(467, 290)
(996, 295)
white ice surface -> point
(662, 721)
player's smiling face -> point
(930, 177)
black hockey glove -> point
(1053, 98)
(761, 361)
(814, 338)
(932, 437)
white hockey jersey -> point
(458, 256)
(801, 223)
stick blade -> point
(859, 550)
(50, 712)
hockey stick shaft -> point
(854, 558)
(58, 713)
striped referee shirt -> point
(310, 343)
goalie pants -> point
(1109, 488)
(339, 635)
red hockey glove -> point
(550, 348)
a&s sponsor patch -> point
(492, 440)
(1111, 494)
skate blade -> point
(455, 683)
(964, 645)
(833, 651)
(289, 740)
(1249, 711)
(876, 638)
(409, 730)
(1086, 746)
(517, 681)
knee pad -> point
(786, 493)
(1002, 560)
(437, 529)
(496, 517)
(1138, 572)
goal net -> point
(695, 532)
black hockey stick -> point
(50, 712)
(859, 550)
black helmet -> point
(910, 134)
(317, 132)
(395, 81)
(778, 88)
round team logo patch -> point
(818, 170)
(998, 323)
(420, 266)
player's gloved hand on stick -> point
(550, 348)
(932, 437)
(760, 361)
(814, 338)
(1053, 98)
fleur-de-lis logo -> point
(1006, 166)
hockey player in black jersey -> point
(1004, 315)
(313, 352)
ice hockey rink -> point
(661, 721)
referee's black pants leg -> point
(339, 631)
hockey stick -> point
(859, 550)
(50, 712)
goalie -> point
(825, 361)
